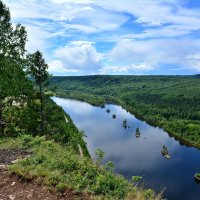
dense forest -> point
(31, 121)
(171, 102)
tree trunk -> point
(42, 110)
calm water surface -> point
(137, 156)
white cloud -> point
(157, 52)
(194, 61)
(79, 15)
(72, 1)
(90, 16)
(142, 68)
(80, 56)
(56, 67)
(81, 28)
(151, 13)
(37, 39)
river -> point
(137, 156)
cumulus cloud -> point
(78, 56)
(157, 52)
(141, 69)
(56, 67)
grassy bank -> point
(65, 132)
(170, 102)
(59, 167)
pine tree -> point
(37, 68)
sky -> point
(136, 37)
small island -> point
(165, 152)
(124, 124)
(137, 132)
(197, 177)
(114, 116)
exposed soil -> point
(9, 155)
(13, 188)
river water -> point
(137, 156)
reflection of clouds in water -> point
(74, 106)
(137, 154)
(120, 112)
(122, 146)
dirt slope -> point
(12, 188)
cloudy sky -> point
(79, 37)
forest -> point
(170, 102)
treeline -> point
(171, 102)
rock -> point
(11, 197)
(3, 167)
(13, 183)
(15, 161)
(29, 196)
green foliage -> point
(148, 194)
(136, 179)
(37, 69)
(171, 102)
(13, 83)
(109, 166)
(59, 167)
(100, 154)
(197, 176)
(27, 120)
(61, 187)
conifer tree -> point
(37, 68)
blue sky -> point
(81, 37)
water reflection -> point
(137, 156)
